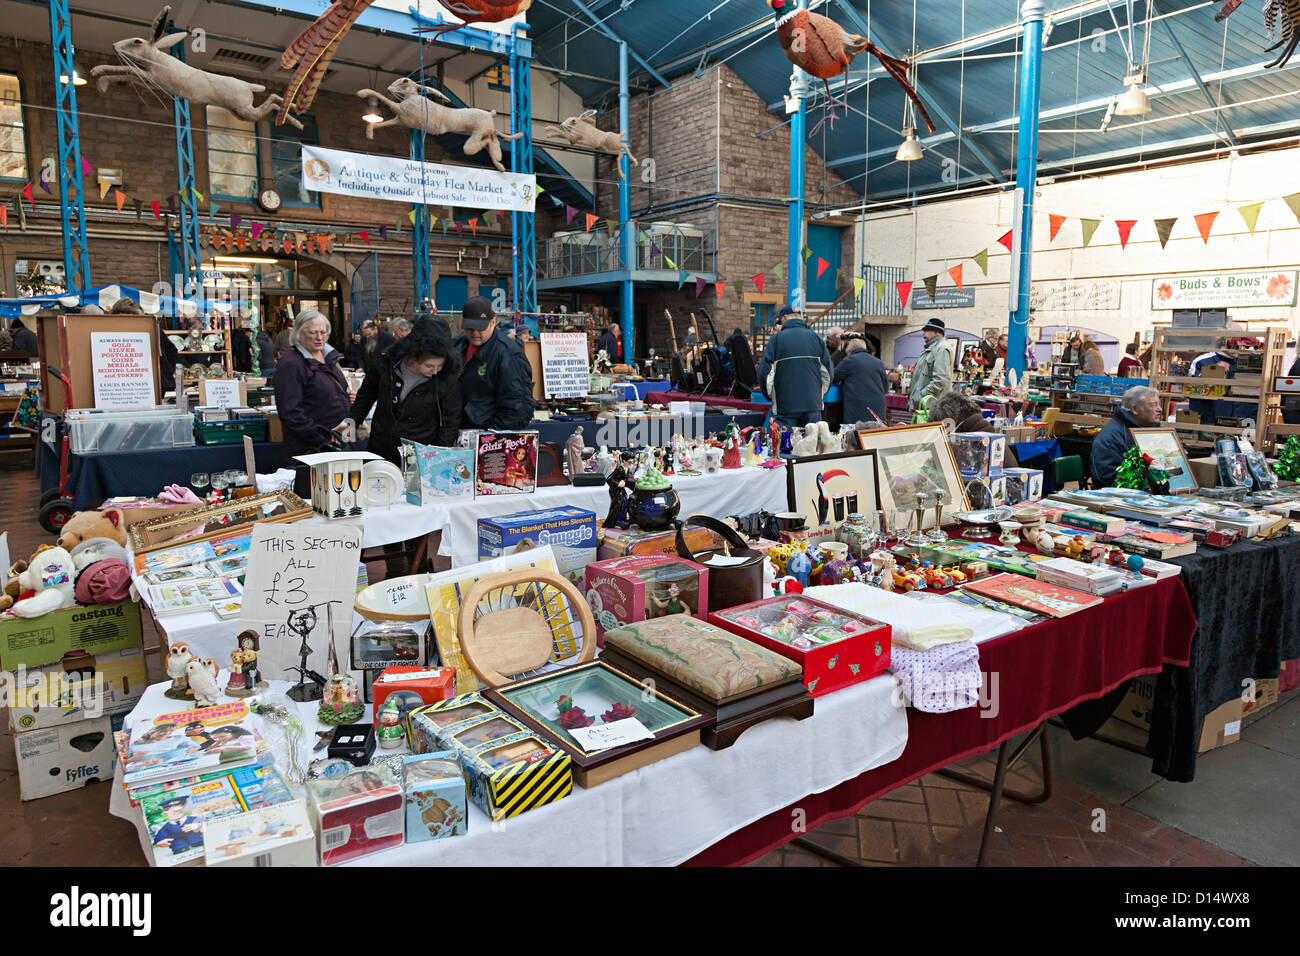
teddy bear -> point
(84, 525)
(50, 576)
(13, 590)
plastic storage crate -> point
(230, 432)
(94, 431)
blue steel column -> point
(523, 225)
(72, 206)
(420, 271)
(798, 125)
(189, 200)
(628, 234)
(1031, 14)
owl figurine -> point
(178, 655)
(202, 677)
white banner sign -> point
(565, 371)
(402, 180)
(122, 364)
(1274, 288)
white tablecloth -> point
(661, 814)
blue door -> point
(824, 241)
(498, 293)
(450, 293)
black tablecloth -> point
(625, 433)
(95, 477)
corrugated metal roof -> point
(968, 65)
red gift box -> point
(430, 684)
(836, 647)
(357, 814)
(637, 587)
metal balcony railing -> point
(567, 255)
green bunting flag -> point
(1251, 215)
(807, 253)
(982, 257)
(1293, 201)
(411, 216)
(671, 264)
(739, 286)
(611, 227)
(1089, 229)
(779, 268)
(859, 284)
(931, 286)
(880, 291)
(1164, 227)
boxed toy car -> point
(571, 533)
(436, 796)
(626, 590)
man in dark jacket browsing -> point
(795, 371)
(863, 382)
(1139, 407)
(496, 386)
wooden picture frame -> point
(218, 521)
(896, 450)
(1182, 480)
(855, 477)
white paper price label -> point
(614, 734)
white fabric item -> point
(914, 625)
(940, 680)
(282, 478)
(661, 814)
(986, 622)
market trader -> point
(1139, 407)
(496, 386)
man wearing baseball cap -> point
(932, 374)
(496, 386)
(795, 371)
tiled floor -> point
(1232, 806)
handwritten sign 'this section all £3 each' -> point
(305, 570)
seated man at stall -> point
(1139, 407)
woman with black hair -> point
(414, 389)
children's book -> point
(175, 818)
(189, 743)
(1050, 600)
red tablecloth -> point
(1032, 674)
(718, 401)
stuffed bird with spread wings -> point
(478, 11)
(1288, 12)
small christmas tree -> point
(1288, 462)
(1132, 471)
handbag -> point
(739, 580)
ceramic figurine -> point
(178, 655)
(202, 678)
(618, 480)
(1044, 542)
(787, 441)
(669, 462)
(805, 443)
(1075, 547)
(389, 730)
(604, 462)
(245, 678)
(685, 458)
(731, 452)
(752, 457)
(800, 567)
(666, 602)
(573, 452)
(773, 438)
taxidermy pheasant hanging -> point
(822, 48)
(1288, 12)
(310, 55)
(478, 11)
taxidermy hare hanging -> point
(419, 112)
(582, 131)
(145, 63)
(1288, 11)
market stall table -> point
(658, 815)
(637, 391)
(630, 431)
(1032, 674)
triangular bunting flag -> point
(1204, 222)
(213, 208)
(904, 291)
(540, 189)
(86, 168)
(157, 209)
(171, 204)
(473, 226)
(721, 287)
(671, 264)
(4, 216)
(27, 192)
(1251, 215)
(556, 201)
(1163, 229)
(383, 232)
(955, 273)
(982, 260)
(256, 229)
(591, 221)
(699, 286)
(1125, 226)
(655, 250)
(446, 224)
(460, 227)
(859, 284)
(611, 227)
(1293, 201)
(365, 235)
(880, 290)
(1054, 223)
(1089, 227)
(397, 225)
(103, 189)
(758, 281)
(235, 220)
(931, 286)
(569, 213)
(807, 253)
(198, 196)
(411, 216)
(433, 224)
(779, 270)
(241, 243)
(822, 266)
(120, 197)
(1007, 239)
(682, 276)
(738, 286)
(287, 244)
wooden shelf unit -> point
(1165, 347)
(185, 358)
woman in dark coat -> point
(414, 390)
(311, 394)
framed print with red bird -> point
(826, 489)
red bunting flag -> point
(591, 221)
(287, 244)
(904, 291)
(1204, 222)
(758, 281)
(1125, 226)
(4, 216)
(27, 192)
(241, 243)
(822, 266)
(365, 235)
(721, 287)
(1055, 223)
(1007, 239)
(955, 272)
(157, 209)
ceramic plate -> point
(178, 341)
(213, 343)
(384, 482)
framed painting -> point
(1166, 451)
(914, 460)
(826, 489)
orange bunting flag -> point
(4, 216)
(955, 272)
(591, 221)
(721, 287)
(1204, 222)
(120, 197)
(1125, 226)
(473, 226)
(822, 266)
(1055, 223)
(1007, 239)
(758, 281)
(904, 291)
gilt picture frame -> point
(912, 459)
(1166, 449)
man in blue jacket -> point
(795, 371)
(1139, 407)
(496, 385)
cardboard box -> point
(1023, 485)
(617, 543)
(1187, 418)
(979, 454)
(356, 814)
(1266, 694)
(1019, 433)
(1135, 708)
(65, 757)
(436, 796)
(413, 686)
(433, 472)
(983, 493)
(80, 686)
(1222, 726)
(570, 531)
(46, 639)
(1205, 470)
(279, 835)
(337, 487)
(505, 462)
(274, 430)
(638, 587)
(379, 644)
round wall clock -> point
(269, 200)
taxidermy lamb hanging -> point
(419, 112)
(822, 48)
(145, 63)
(1288, 11)
(478, 11)
(582, 131)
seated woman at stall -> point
(414, 390)
(311, 394)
